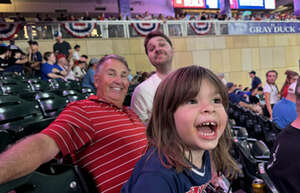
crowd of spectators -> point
(267, 99)
(204, 15)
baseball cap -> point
(57, 34)
(229, 85)
(94, 61)
(292, 88)
(59, 56)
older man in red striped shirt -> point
(102, 136)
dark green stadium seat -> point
(14, 86)
(16, 111)
(87, 92)
(38, 85)
(58, 179)
(50, 104)
(15, 114)
(56, 84)
(72, 95)
(74, 85)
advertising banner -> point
(263, 28)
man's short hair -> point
(31, 42)
(84, 56)
(76, 46)
(252, 72)
(272, 71)
(155, 34)
(3, 49)
(111, 56)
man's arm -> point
(26, 156)
(141, 104)
(268, 104)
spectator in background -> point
(271, 93)
(2, 42)
(222, 78)
(283, 167)
(62, 17)
(50, 69)
(253, 96)
(66, 67)
(256, 82)
(239, 100)
(17, 61)
(88, 79)
(4, 58)
(35, 58)
(76, 52)
(284, 112)
(83, 58)
(61, 46)
(48, 18)
(79, 70)
(159, 50)
(291, 76)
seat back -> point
(59, 179)
(72, 95)
(38, 84)
(50, 104)
(17, 112)
(14, 86)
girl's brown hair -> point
(289, 75)
(176, 89)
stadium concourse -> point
(48, 60)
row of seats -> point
(28, 105)
(253, 136)
(257, 126)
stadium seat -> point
(50, 104)
(56, 179)
(14, 86)
(72, 95)
(38, 84)
(16, 113)
(251, 152)
(87, 92)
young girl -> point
(188, 128)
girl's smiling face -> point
(201, 121)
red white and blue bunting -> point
(201, 28)
(144, 28)
(79, 29)
(8, 30)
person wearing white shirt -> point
(270, 92)
(159, 50)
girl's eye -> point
(217, 100)
(192, 101)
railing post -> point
(217, 28)
(166, 28)
(126, 30)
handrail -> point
(128, 28)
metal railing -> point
(179, 28)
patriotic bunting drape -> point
(8, 30)
(144, 28)
(79, 29)
(201, 28)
